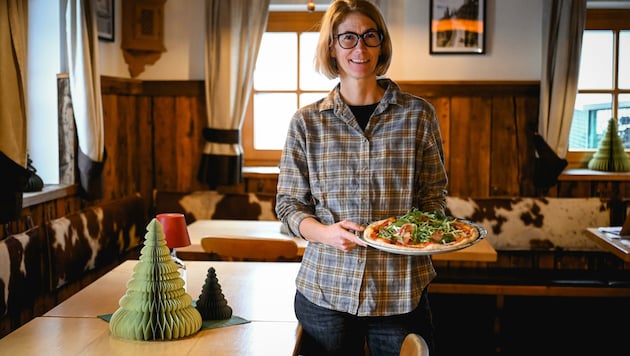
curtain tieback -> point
(221, 135)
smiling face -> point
(360, 62)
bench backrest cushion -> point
(21, 267)
(534, 223)
(94, 237)
(210, 204)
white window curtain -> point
(85, 89)
(13, 46)
(563, 26)
(234, 31)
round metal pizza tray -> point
(408, 251)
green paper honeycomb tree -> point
(156, 306)
(610, 155)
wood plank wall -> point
(153, 137)
(154, 141)
(487, 129)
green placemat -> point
(206, 324)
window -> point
(604, 82)
(45, 60)
(284, 80)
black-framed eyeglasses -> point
(371, 38)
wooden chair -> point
(414, 345)
(251, 249)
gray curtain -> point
(563, 26)
(234, 30)
(85, 89)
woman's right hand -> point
(341, 235)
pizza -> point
(421, 231)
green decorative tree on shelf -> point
(611, 155)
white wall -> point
(513, 43)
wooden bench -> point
(542, 250)
(532, 282)
(22, 277)
(210, 204)
(44, 265)
(86, 244)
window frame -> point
(603, 19)
(278, 21)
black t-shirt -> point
(362, 113)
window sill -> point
(583, 174)
(48, 193)
(261, 171)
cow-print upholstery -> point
(210, 204)
(534, 223)
(20, 271)
(94, 237)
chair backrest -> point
(251, 249)
(414, 345)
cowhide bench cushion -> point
(210, 204)
(21, 266)
(94, 237)
(534, 223)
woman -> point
(365, 152)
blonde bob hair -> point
(336, 13)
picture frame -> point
(457, 27)
(105, 19)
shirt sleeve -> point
(293, 199)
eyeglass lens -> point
(349, 40)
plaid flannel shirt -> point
(332, 170)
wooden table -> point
(262, 229)
(479, 252)
(261, 292)
(482, 251)
(90, 336)
(257, 291)
(620, 247)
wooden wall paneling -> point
(442, 107)
(481, 125)
(130, 142)
(189, 144)
(526, 124)
(165, 143)
(624, 190)
(111, 180)
(505, 165)
(123, 144)
(144, 157)
(575, 189)
(114, 125)
(470, 147)
(459, 149)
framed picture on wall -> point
(457, 26)
(105, 19)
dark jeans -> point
(329, 332)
